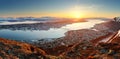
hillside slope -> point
(10, 49)
(77, 44)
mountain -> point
(31, 18)
(83, 50)
(100, 42)
(10, 49)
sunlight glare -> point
(77, 15)
(76, 12)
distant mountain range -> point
(47, 18)
(11, 19)
(30, 20)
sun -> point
(76, 12)
(76, 15)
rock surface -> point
(10, 49)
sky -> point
(60, 8)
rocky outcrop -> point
(10, 49)
(117, 19)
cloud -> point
(85, 7)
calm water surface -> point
(51, 33)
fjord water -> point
(42, 34)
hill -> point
(10, 49)
(100, 42)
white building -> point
(117, 19)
